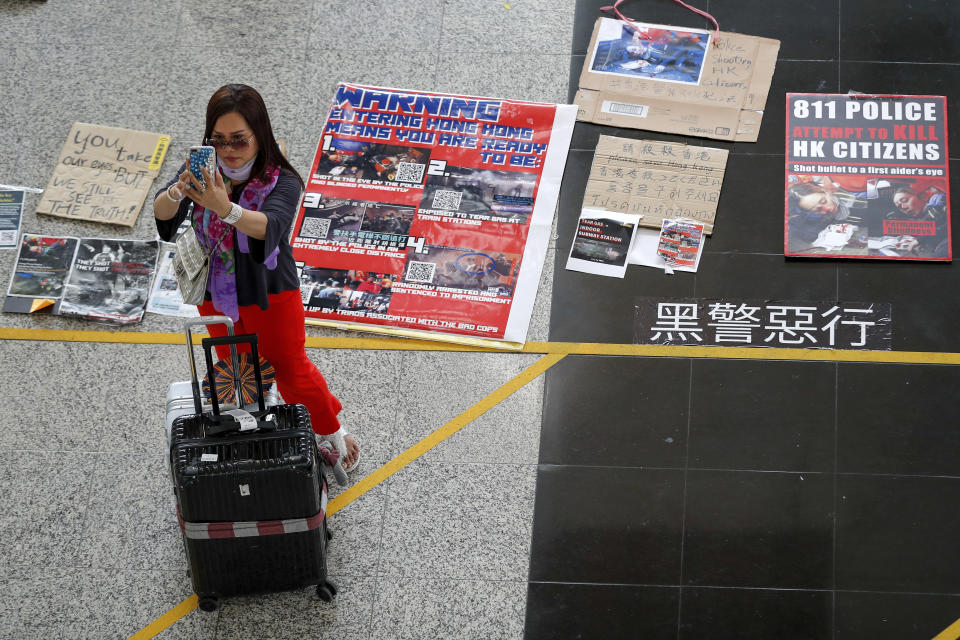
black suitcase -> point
(251, 495)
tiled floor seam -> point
(836, 511)
(683, 500)
(771, 471)
(741, 588)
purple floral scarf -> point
(222, 283)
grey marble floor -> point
(90, 547)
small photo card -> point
(602, 242)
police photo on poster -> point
(480, 194)
(110, 280)
(867, 176)
(651, 51)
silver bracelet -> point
(236, 212)
(170, 197)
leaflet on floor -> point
(110, 280)
(165, 297)
(11, 215)
(36, 285)
(676, 247)
(602, 242)
(867, 176)
(429, 214)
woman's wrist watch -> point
(236, 212)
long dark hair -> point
(245, 100)
(799, 190)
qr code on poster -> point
(315, 228)
(8, 237)
(410, 172)
(421, 271)
(448, 200)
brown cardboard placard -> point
(656, 180)
(724, 101)
(103, 174)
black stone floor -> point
(742, 499)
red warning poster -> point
(429, 212)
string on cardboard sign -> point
(716, 26)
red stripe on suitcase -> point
(216, 530)
(270, 527)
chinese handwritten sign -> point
(656, 180)
(823, 325)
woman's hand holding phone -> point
(214, 197)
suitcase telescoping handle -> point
(194, 380)
(247, 338)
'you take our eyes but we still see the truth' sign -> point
(103, 174)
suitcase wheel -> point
(326, 591)
(329, 535)
(208, 603)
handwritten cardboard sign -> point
(656, 180)
(676, 80)
(103, 174)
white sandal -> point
(337, 438)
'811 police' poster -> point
(867, 176)
(429, 214)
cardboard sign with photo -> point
(676, 80)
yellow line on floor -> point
(950, 633)
(387, 470)
(444, 432)
(167, 619)
(746, 353)
(566, 348)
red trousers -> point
(280, 340)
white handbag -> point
(191, 264)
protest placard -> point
(429, 214)
(656, 180)
(676, 80)
(103, 174)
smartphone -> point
(202, 157)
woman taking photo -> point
(251, 202)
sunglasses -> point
(236, 143)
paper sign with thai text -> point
(656, 180)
